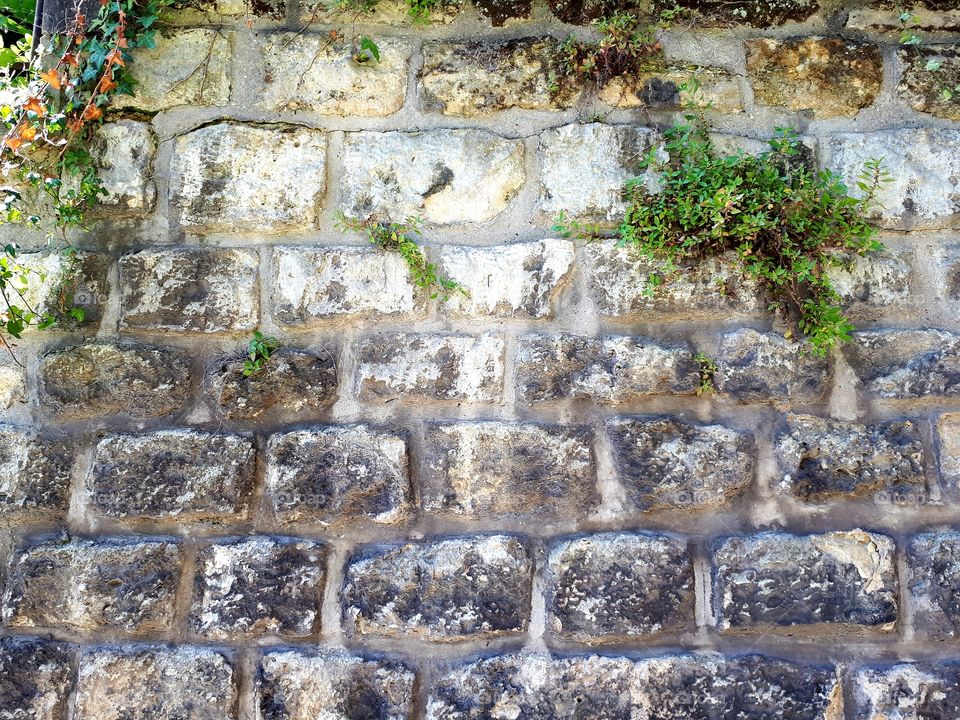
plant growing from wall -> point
(259, 349)
(400, 238)
(48, 117)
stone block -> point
(34, 474)
(385, 12)
(907, 691)
(662, 89)
(948, 452)
(874, 282)
(928, 16)
(13, 385)
(906, 364)
(933, 562)
(59, 282)
(123, 152)
(758, 13)
(923, 87)
(37, 678)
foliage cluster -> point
(259, 350)
(908, 37)
(626, 46)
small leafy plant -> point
(626, 46)
(786, 224)
(708, 371)
(259, 349)
(420, 9)
(399, 238)
(369, 53)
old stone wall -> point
(512, 505)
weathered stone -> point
(824, 459)
(678, 687)
(445, 176)
(204, 290)
(310, 285)
(34, 474)
(193, 12)
(827, 76)
(13, 385)
(923, 691)
(661, 89)
(759, 13)
(258, 586)
(338, 474)
(904, 364)
(873, 282)
(123, 152)
(181, 474)
(516, 281)
(59, 282)
(297, 685)
(143, 381)
(924, 88)
(582, 12)
(115, 583)
(229, 177)
(490, 469)
(293, 382)
(431, 367)
(501, 12)
(384, 12)
(146, 683)
(776, 580)
(667, 464)
(927, 16)
(924, 164)
(334, 82)
(619, 279)
(605, 369)
(186, 67)
(614, 586)
(583, 168)
(946, 261)
(948, 451)
(757, 367)
(36, 679)
(934, 571)
(444, 590)
(482, 77)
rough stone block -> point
(758, 13)
(142, 381)
(605, 370)
(907, 691)
(583, 168)
(924, 164)
(924, 88)
(444, 176)
(186, 67)
(311, 285)
(34, 474)
(484, 469)
(109, 584)
(148, 683)
(933, 562)
(615, 586)
(824, 459)
(36, 679)
(834, 579)
(905, 364)
(661, 89)
(515, 281)
(331, 475)
(258, 586)
(293, 383)
(826, 76)
(60, 282)
(443, 590)
(182, 474)
(429, 366)
(228, 177)
(123, 152)
(758, 367)
(384, 12)
(335, 83)
(297, 685)
(482, 77)
(874, 282)
(619, 277)
(504, 12)
(929, 16)
(948, 451)
(204, 290)
(666, 464)
(13, 385)
(946, 263)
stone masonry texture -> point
(567, 493)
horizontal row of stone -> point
(231, 177)
(146, 682)
(347, 474)
(617, 587)
(821, 76)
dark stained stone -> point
(444, 590)
(906, 364)
(664, 463)
(934, 570)
(293, 382)
(116, 583)
(613, 586)
(827, 459)
(500, 11)
(34, 474)
(921, 691)
(36, 679)
(759, 13)
(141, 381)
(338, 474)
(582, 12)
(924, 88)
(491, 469)
(258, 586)
(776, 580)
(185, 474)
(306, 685)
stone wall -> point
(512, 505)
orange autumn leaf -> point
(35, 106)
(107, 84)
(122, 43)
(51, 78)
(115, 57)
(28, 133)
(70, 59)
(92, 112)
(74, 124)
(13, 142)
